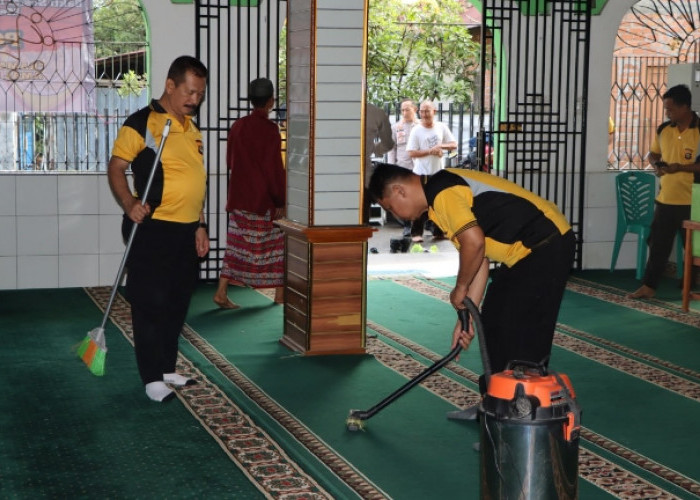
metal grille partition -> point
(238, 41)
(535, 60)
(639, 84)
(66, 87)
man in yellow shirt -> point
(489, 218)
(163, 265)
(673, 154)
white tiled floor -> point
(442, 263)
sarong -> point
(254, 250)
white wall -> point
(172, 35)
(58, 230)
(600, 205)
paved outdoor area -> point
(442, 261)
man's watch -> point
(203, 225)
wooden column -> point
(326, 242)
(326, 270)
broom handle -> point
(144, 196)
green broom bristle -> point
(82, 347)
(93, 352)
(97, 367)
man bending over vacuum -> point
(489, 218)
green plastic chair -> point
(635, 211)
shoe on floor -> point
(394, 245)
(417, 239)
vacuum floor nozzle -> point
(355, 420)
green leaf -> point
(420, 49)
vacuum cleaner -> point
(356, 419)
(529, 421)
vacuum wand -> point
(357, 417)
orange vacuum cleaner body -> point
(541, 391)
(530, 426)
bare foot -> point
(225, 303)
(643, 292)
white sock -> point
(158, 391)
(177, 379)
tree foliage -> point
(282, 65)
(132, 84)
(420, 49)
(119, 27)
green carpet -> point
(68, 434)
(265, 421)
(319, 391)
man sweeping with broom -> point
(172, 233)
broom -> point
(93, 348)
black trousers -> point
(162, 270)
(668, 220)
(521, 305)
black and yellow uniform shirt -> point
(179, 185)
(514, 220)
(677, 147)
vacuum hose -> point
(356, 418)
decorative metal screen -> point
(237, 43)
(639, 84)
(62, 88)
(535, 60)
(653, 35)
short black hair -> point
(680, 94)
(180, 66)
(259, 102)
(383, 175)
